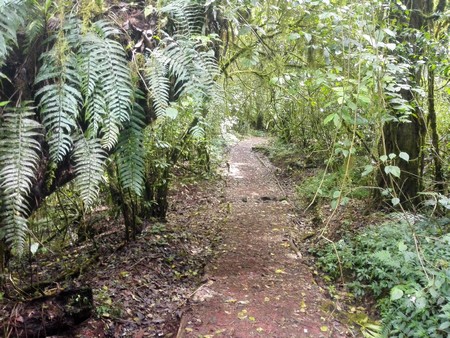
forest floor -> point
(228, 262)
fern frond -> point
(59, 103)
(11, 19)
(131, 154)
(158, 82)
(39, 13)
(19, 159)
(107, 68)
(193, 68)
(89, 158)
(188, 15)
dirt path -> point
(257, 286)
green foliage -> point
(83, 94)
(405, 264)
(11, 18)
(19, 159)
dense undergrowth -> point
(404, 264)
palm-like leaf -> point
(19, 159)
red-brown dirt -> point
(258, 285)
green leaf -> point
(367, 170)
(392, 156)
(383, 158)
(396, 293)
(329, 118)
(171, 113)
(402, 247)
(421, 303)
(389, 32)
(336, 194)
(392, 170)
(444, 326)
(404, 156)
(293, 36)
(395, 201)
(308, 37)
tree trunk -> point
(408, 137)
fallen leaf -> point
(242, 315)
(252, 319)
(259, 329)
(231, 300)
(279, 271)
(303, 306)
(324, 328)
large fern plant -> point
(82, 99)
(83, 104)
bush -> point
(405, 264)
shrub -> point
(405, 264)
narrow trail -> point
(257, 286)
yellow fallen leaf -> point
(266, 299)
(252, 319)
(278, 271)
(259, 329)
(324, 328)
(188, 329)
(231, 300)
(242, 315)
(303, 306)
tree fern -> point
(89, 158)
(19, 159)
